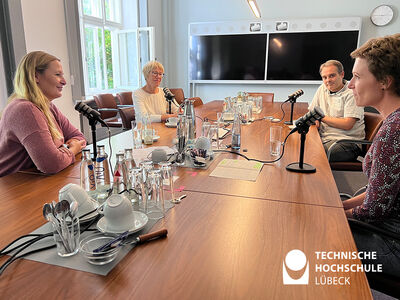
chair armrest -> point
(374, 229)
(347, 141)
(119, 106)
(108, 109)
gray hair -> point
(332, 62)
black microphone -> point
(168, 94)
(295, 95)
(309, 119)
(89, 112)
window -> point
(113, 51)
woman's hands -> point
(74, 146)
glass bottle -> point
(88, 179)
(236, 131)
(129, 161)
(121, 176)
(102, 172)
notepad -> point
(237, 169)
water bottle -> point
(121, 177)
(102, 171)
(129, 161)
(236, 128)
(88, 179)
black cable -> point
(109, 145)
(5, 252)
(261, 161)
(14, 257)
(283, 112)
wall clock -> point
(382, 15)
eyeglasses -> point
(155, 74)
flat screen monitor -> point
(298, 55)
(228, 57)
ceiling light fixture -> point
(254, 8)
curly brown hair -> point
(383, 58)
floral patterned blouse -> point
(382, 167)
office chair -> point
(373, 122)
(127, 115)
(107, 106)
(267, 97)
(125, 98)
(385, 283)
(197, 101)
(180, 97)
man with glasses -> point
(150, 99)
(343, 118)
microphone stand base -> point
(295, 167)
(288, 122)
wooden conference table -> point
(227, 240)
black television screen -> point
(298, 55)
(228, 57)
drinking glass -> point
(213, 135)
(259, 104)
(137, 134)
(156, 207)
(66, 236)
(147, 131)
(168, 179)
(138, 190)
(275, 140)
(205, 128)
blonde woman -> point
(33, 132)
(150, 99)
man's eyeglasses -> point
(155, 74)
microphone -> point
(295, 95)
(89, 112)
(309, 119)
(302, 125)
(202, 143)
(168, 94)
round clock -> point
(382, 15)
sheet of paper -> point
(237, 169)
(140, 155)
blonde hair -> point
(150, 66)
(25, 86)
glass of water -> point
(275, 143)
(137, 134)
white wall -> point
(182, 12)
(44, 26)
